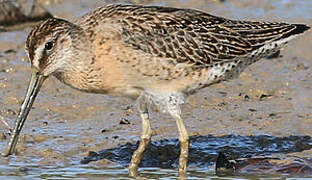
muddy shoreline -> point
(272, 97)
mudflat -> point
(272, 97)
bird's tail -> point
(298, 29)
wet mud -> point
(205, 151)
(266, 112)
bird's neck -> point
(78, 63)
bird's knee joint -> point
(184, 140)
(146, 138)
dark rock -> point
(11, 14)
(224, 167)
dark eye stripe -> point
(43, 60)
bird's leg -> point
(184, 142)
(145, 137)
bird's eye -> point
(48, 45)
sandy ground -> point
(272, 97)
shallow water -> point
(204, 150)
(62, 129)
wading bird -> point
(156, 55)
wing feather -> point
(192, 36)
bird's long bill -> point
(34, 86)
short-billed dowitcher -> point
(158, 55)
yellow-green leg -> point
(145, 138)
(184, 145)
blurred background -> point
(267, 111)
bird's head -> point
(50, 46)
